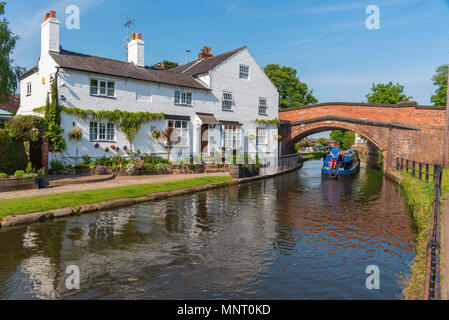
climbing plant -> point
(127, 122)
(266, 121)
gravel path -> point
(117, 182)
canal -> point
(296, 236)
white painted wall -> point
(134, 96)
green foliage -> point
(380, 160)
(12, 153)
(345, 139)
(322, 141)
(56, 165)
(440, 81)
(297, 147)
(167, 64)
(148, 167)
(128, 122)
(9, 73)
(387, 93)
(292, 92)
(267, 121)
(26, 128)
(19, 173)
(3, 176)
(86, 159)
(29, 168)
(53, 118)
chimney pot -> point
(205, 53)
(139, 36)
(47, 15)
(53, 14)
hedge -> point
(12, 154)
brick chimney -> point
(205, 53)
(50, 34)
(136, 50)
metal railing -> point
(431, 291)
(422, 169)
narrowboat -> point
(341, 163)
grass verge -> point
(419, 196)
(22, 205)
(314, 155)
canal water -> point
(296, 236)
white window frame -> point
(98, 87)
(243, 74)
(29, 89)
(182, 129)
(183, 98)
(263, 107)
(261, 136)
(102, 131)
(227, 101)
(232, 136)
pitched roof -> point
(12, 105)
(197, 67)
(207, 118)
(82, 62)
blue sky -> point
(327, 40)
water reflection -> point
(296, 236)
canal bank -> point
(176, 188)
(419, 197)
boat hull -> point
(335, 173)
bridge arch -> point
(404, 130)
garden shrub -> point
(56, 165)
(148, 168)
(12, 154)
(19, 173)
(3, 176)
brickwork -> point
(407, 130)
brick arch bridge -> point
(406, 130)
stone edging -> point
(13, 220)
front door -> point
(204, 139)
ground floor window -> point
(101, 131)
(232, 136)
(181, 132)
(261, 136)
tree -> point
(440, 81)
(166, 64)
(8, 72)
(345, 139)
(387, 93)
(322, 141)
(292, 92)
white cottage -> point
(211, 102)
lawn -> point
(16, 206)
(314, 155)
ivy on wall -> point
(127, 122)
(266, 121)
(53, 118)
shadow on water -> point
(296, 236)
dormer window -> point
(183, 98)
(244, 72)
(102, 88)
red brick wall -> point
(424, 145)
